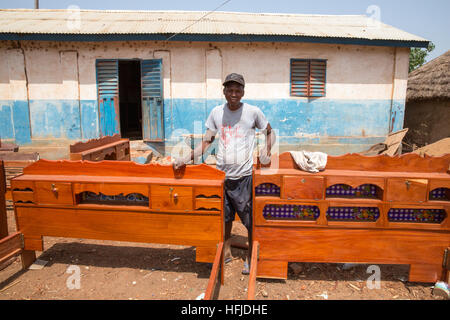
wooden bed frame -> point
(123, 201)
(104, 148)
(360, 209)
(10, 244)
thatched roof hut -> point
(431, 81)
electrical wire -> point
(224, 3)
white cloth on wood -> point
(310, 161)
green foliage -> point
(417, 56)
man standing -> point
(235, 122)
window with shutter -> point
(308, 77)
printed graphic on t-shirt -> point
(229, 133)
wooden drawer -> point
(434, 184)
(411, 190)
(302, 187)
(208, 192)
(23, 196)
(54, 193)
(22, 185)
(354, 182)
(171, 197)
(111, 189)
(208, 204)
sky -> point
(425, 18)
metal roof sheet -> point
(58, 21)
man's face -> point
(233, 94)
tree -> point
(417, 56)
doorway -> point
(130, 99)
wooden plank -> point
(93, 143)
(27, 257)
(408, 162)
(19, 156)
(394, 141)
(3, 215)
(8, 147)
(253, 269)
(414, 247)
(446, 262)
(10, 246)
(169, 228)
(272, 269)
(216, 276)
(205, 254)
(121, 169)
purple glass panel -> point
(416, 215)
(440, 194)
(343, 190)
(353, 213)
(290, 212)
(132, 198)
(267, 189)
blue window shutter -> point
(299, 77)
(308, 78)
(317, 78)
(107, 72)
(152, 100)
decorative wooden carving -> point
(104, 148)
(120, 200)
(360, 209)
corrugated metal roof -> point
(43, 21)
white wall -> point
(195, 70)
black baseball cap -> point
(234, 77)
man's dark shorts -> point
(238, 198)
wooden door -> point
(152, 100)
(107, 71)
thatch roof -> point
(431, 81)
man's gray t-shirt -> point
(236, 137)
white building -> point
(330, 83)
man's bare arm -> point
(266, 153)
(197, 152)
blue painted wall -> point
(348, 119)
(45, 119)
(343, 122)
(15, 121)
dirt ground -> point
(112, 270)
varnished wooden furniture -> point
(123, 201)
(360, 209)
(14, 162)
(10, 147)
(10, 244)
(104, 148)
(216, 276)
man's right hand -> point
(178, 164)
